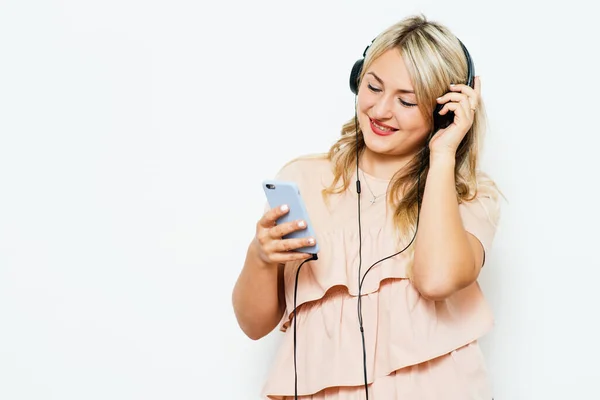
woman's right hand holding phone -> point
(271, 247)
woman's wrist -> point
(442, 160)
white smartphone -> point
(287, 192)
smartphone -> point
(287, 192)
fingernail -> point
(301, 224)
(452, 84)
(311, 241)
(284, 207)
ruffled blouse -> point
(401, 327)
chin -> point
(396, 148)
(376, 146)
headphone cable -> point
(361, 280)
(314, 257)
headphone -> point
(439, 121)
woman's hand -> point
(271, 247)
(463, 101)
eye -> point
(373, 88)
(377, 90)
(405, 104)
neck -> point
(381, 165)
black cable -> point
(361, 280)
(359, 300)
(314, 257)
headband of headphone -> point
(358, 65)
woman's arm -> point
(258, 295)
(258, 300)
(447, 257)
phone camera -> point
(270, 186)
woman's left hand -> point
(463, 101)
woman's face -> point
(389, 117)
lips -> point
(380, 128)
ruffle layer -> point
(402, 329)
(338, 265)
(459, 375)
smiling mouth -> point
(381, 129)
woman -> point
(391, 309)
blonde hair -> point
(434, 58)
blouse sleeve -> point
(479, 219)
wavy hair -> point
(434, 59)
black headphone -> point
(439, 121)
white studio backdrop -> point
(133, 139)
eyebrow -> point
(381, 82)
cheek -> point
(411, 118)
(366, 99)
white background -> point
(133, 139)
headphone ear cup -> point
(355, 75)
(441, 121)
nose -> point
(383, 108)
